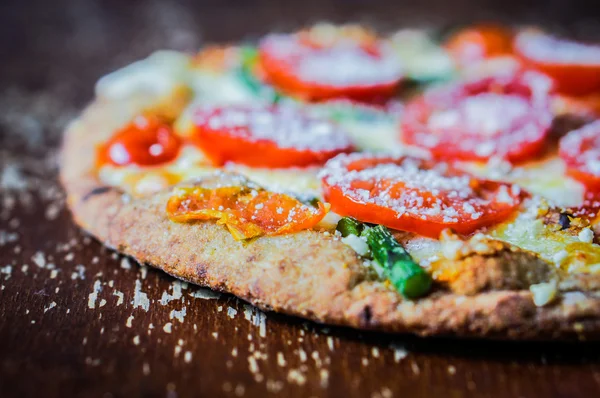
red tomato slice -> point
(415, 195)
(580, 149)
(267, 136)
(146, 141)
(574, 66)
(344, 68)
(506, 116)
(478, 43)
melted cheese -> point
(220, 89)
(562, 248)
(159, 74)
(375, 136)
(546, 178)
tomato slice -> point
(477, 43)
(415, 195)
(267, 136)
(146, 141)
(574, 66)
(580, 149)
(247, 212)
(506, 116)
(365, 70)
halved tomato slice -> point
(246, 211)
(414, 194)
(309, 67)
(477, 43)
(506, 116)
(574, 66)
(580, 149)
(267, 136)
(146, 141)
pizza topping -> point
(574, 66)
(414, 194)
(401, 270)
(544, 293)
(398, 266)
(317, 67)
(249, 72)
(423, 60)
(267, 136)
(246, 211)
(479, 42)
(156, 76)
(504, 116)
(580, 149)
(146, 141)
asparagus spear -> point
(402, 271)
(405, 274)
(349, 226)
(249, 57)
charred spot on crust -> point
(366, 315)
(97, 191)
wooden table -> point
(77, 319)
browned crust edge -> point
(307, 274)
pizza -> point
(411, 182)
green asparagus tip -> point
(403, 272)
(349, 226)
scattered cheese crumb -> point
(177, 294)
(39, 259)
(560, 257)
(543, 293)
(586, 235)
(125, 264)
(119, 295)
(357, 243)
(168, 327)
(206, 294)
(330, 343)
(179, 315)
(93, 296)
(281, 359)
(399, 352)
(52, 305)
(140, 299)
(231, 312)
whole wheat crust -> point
(309, 274)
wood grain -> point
(64, 330)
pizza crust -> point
(308, 274)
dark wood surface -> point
(79, 320)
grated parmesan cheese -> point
(344, 64)
(287, 126)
